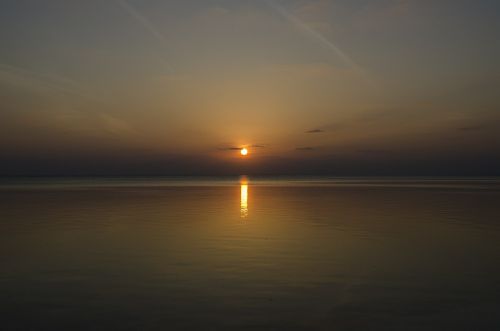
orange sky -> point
(314, 84)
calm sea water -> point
(250, 254)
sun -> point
(244, 151)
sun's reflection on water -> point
(244, 197)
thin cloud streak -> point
(48, 80)
(315, 131)
(229, 148)
(233, 148)
(317, 36)
(142, 20)
(146, 24)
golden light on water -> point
(244, 197)
(244, 201)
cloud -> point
(313, 9)
(315, 14)
(315, 131)
(234, 148)
(15, 75)
(146, 24)
(315, 35)
(140, 18)
(229, 148)
(304, 148)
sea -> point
(250, 253)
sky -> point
(340, 87)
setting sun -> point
(244, 151)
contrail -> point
(142, 20)
(10, 73)
(316, 36)
(15, 75)
(146, 23)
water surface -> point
(250, 254)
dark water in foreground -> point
(273, 254)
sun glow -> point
(244, 151)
